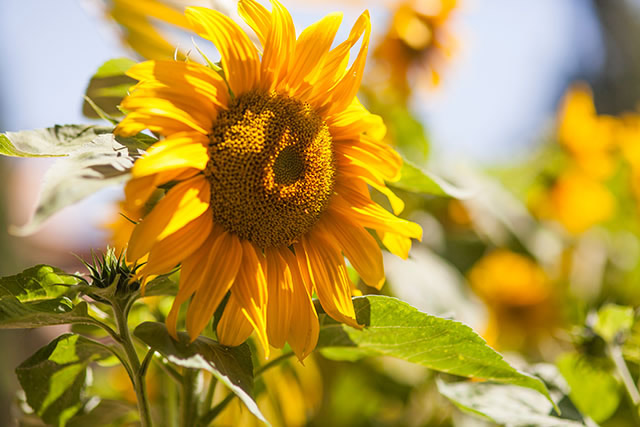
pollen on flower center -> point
(271, 168)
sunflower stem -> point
(272, 363)
(138, 380)
(189, 408)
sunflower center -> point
(271, 168)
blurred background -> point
(530, 106)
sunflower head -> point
(269, 169)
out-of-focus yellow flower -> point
(506, 278)
(518, 295)
(417, 41)
(141, 22)
(589, 138)
(293, 393)
(579, 202)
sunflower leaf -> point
(613, 320)
(56, 311)
(94, 159)
(414, 179)
(594, 388)
(38, 282)
(107, 87)
(230, 365)
(504, 404)
(57, 141)
(54, 377)
(394, 328)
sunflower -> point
(268, 166)
(417, 42)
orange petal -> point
(250, 290)
(222, 265)
(358, 246)
(278, 47)
(170, 251)
(195, 270)
(233, 328)
(328, 273)
(280, 289)
(182, 204)
(304, 328)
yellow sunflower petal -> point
(311, 48)
(360, 248)
(240, 59)
(233, 328)
(138, 190)
(396, 244)
(337, 60)
(257, 17)
(171, 110)
(362, 210)
(355, 121)
(353, 170)
(181, 205)
(343, 93)
(373, 155)
(280, 290)
(328, 273)
(250, 290)
(170, 251)
(278, 47)
(195, 269)
(304, 328)
(195, 77)
(189, 151)
(223, 265)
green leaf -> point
(162, 285)
(57, 311)
(56, 141)
(91, 165)
(394, 328)
(613, 320)
(594, 388)
(54, 377)
(108, 86)
(106, 413)
(38, 282)
(230, 365)
(414, 179)
(504, 404)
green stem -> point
(189, 401)
(139, 384)
(208, 399)
(272, 363)
(615, 352)
(207, 418)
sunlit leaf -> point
(57, 311)
(504, 404)
(230, 365)
(108, 86)
(106, 413)
(414, 179)
(613, 320)
(394, 328)
(93, 161)
(38, 282)
(54, 377)
(594, 389)
(56, 141)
